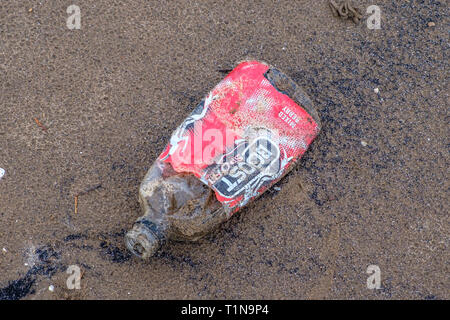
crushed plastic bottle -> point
(243, 137)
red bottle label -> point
(242, 137)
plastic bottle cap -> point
(142, 242)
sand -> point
(85, 112)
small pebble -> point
(363, 143)
(25, 264)
(376, 90)
(30, 10)
(51, 288)
(4, 250)
(2, 172)
(431, 24)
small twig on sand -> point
(76, 204)
(97, 186)
(40, 124)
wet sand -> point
(92, 108)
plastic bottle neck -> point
(145, 239)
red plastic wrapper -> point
(243, 137)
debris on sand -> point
(345, 10)
(76, 205)
(44, 128)
(2, 173)
(189, 209)
(97, 186)
(43, 261)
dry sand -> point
(371, 190)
